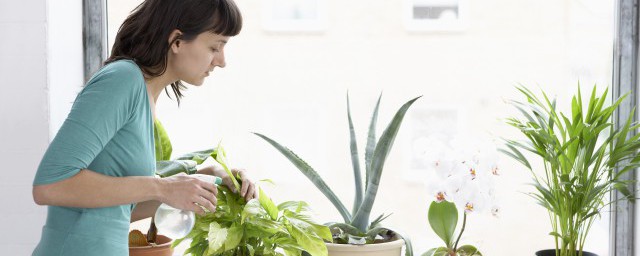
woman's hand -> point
(184, 192)
(247, 190)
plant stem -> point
(464, 223)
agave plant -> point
(580, 153)
(356, 228)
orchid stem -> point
(464, 223)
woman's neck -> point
(155, 85)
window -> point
(464, 80)
(294, 15)
(435, 15)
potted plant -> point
(465, 170)
(152, 243)
(580, 152)
(356, 234)
(256, 227)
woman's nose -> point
(218, 60)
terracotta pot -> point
(393, 248)
(163, 248)
(552, 252)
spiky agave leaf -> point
(357, 178)
(361, 218)
(312, 175)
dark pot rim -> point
(547, 251)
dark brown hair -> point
(143, 36)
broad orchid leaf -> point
(440, 251)
(468, 250)
(443, 218)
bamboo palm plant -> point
(356, 228)
(580, 153)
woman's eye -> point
(215, 49)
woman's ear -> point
(174, 40)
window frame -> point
(625, 80)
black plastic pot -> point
(552, 252)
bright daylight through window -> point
(289, 70)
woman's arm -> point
(89, 189)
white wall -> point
(40, 59)
(24, 128)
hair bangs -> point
(227, 20)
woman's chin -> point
(195, 82)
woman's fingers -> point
(197, 209)
(191, 193)
(245, 181)
(206, 203)
(251, 192)
(209, 186)
(248, 189)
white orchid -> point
(465, 170)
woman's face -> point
(192, 61)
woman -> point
(97, 174)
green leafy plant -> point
(356, 228)
(256, 227)
(580, 153)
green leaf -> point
(371, 140)
(440, 251)
(197, 156)
(221, 157)
(346, 228)
(268, 205)
(468, 250)
(314, 245)
(217, 236)
(253, 208)
(173, 167)
(305, 223)
(162, 142)
(295, 206)
(376, 222)
(234, 236)
(383, 147)
(443, 218)
(354, 161)
(291, 252)
(408, 246)
(312, 175)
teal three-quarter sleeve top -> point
(110, 131)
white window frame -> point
(457, 25)
(269, 23)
